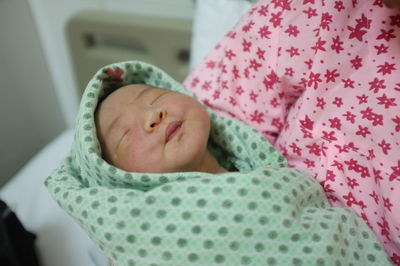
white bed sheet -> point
(60, 240)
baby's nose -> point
(154, 119)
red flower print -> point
(313, 80)
(395, 258)
(235, 72)
(270, 80)
(314, 149)
(338, 101)
(331, 75)
(289, 72)
(292, 30)
(248, 26)
(206, 85)
(384, 228)
(264, 32)
(311, 12)
(381, 49)
(388, 102)
(375, 197)
(320, 102)
(362, 99)
(276, 122)
(319, 45)
(386, 68)
(195, 81)
(210, 64)
(350, 200)
(356, 62)
(348, 83)
(216, 95)
(386, 35)
(114, 75)
(330, 175)
(263, 11)
(239, 90)
(350, 117)
(337, 44)
(329, 136)
(335, 123)
(376, 85)
(385, 146)
(352, 182)
(396, 171)
(309, 163)
(397, 121)
(293, 51)
(339, 6)
(326, 19)
(257, 117)
(260, 54)
(254, 64)
(395, 20)
(229, 54)
(307, 123)
(246, 45)
(338, 165)
(276, 19)
(296, 149)
(253, 96)
(356, 32)
(363, 131)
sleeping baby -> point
(157, 178)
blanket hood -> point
(232, 142)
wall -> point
(29, 113)
(50, 18)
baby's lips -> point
(172, 129)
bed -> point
(60, 240)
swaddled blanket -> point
(263, 214)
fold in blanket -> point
(264, 214)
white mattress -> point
(60, 240)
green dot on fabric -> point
(186, 215)
(100, 220)
(272, 234)
(156, 241)
(245, 260)
(283, 249)
(170, 228)
(150, 200)
(191, 190)
(263, 220)
(142, 253)
(208, 244)
(297, 261)
(201, 203)
(248, 232)
(212, 216)
(276, 208)
(262, 156)
(234, 245)
(265, 194)
(253, 145)
(113, 210)
(145, 226)
(176, 202)
(193, 257)
(223, 231)
(131, 239)
(219, 258)
(120, 249)
(217, 190)
(231, 180)
(227, 204)
(242, 192)
(271, 261)
(135, 212)
(181, 242)
(166, 188)
(95, 205)
(252, 206)
(259, 247)
(161, 214)
(167, 255)
(196, 229)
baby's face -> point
(153, 130)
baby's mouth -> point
(172, 130)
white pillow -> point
(212, 20)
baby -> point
(169, 129)
(158, 200)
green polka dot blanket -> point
(263, 214)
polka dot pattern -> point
(264, 214)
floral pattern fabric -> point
(321, 81)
